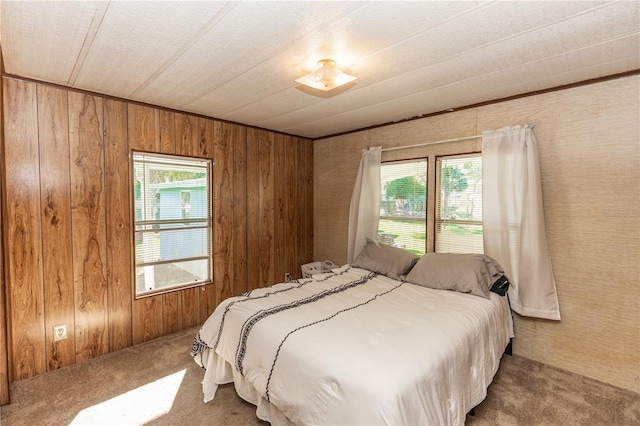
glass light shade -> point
(326, 77)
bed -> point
(359, 345)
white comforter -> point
(350, 347)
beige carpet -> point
(120, 389)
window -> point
(447, 220)
(459, 204)
(172, 222)
(403, 205)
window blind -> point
(459, 204)
(172, 221)
(403, 205)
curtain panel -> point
(513, 219)
(364, 211)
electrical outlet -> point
(287, 277)
(59, 332)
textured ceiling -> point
(238, 61)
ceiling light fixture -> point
(326, 76)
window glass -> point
(185, 204)
(172, 221)
(459, 204)
(403, 205)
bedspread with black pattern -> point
(354, 347)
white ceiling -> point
(238, 61)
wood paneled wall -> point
(68, 227)
(4, 366)
(589, 143)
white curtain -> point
(364, 212)
(513, 219)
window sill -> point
(159, 291)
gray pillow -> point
(464, 273)
(391, 261)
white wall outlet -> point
(59, 332)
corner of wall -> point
(4, 354)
